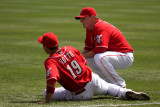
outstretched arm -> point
(47, 99)
(50, 91)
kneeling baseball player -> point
(68, 67)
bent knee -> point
(100, 58)
(97, 57)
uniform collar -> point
(98, 21)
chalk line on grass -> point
(114, 105)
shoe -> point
(131, 95)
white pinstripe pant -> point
(104, 64)
(96, 86)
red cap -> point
(49, 40)
(88, 11)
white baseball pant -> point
(97, 86)
(104, 64)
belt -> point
(79, 91)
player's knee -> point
(97, 57)
(100, 57)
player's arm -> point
(50, 91)
(101, 42)
(84, 51)
(88, 47)
(88, 54)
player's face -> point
(46, 49)
(87, 22)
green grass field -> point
(22, 73)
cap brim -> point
(79, 17)
(40, 39)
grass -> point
(22, 73)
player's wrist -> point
(48, 97)
(47, 100)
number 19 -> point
(76, 67)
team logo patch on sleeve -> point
(48, 72)
(99, 40)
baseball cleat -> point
(131, 95)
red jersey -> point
(105, 37)
(68, 67)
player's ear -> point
(92, 16)
(46, 49)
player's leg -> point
(109, 61)
(63, 94)
(95, 68)
(101, 87)
(117, 59)
(60, 93)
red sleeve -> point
(51, 70)
(50, 83)
(88, 41)
(99, 50)
(101, 42)
(51, 75)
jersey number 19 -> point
(76, 67)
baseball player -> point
(68, 67)
(105, 49)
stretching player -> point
(68, 67)
(105, 49)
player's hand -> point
(42, 102)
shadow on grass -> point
(93, 99)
